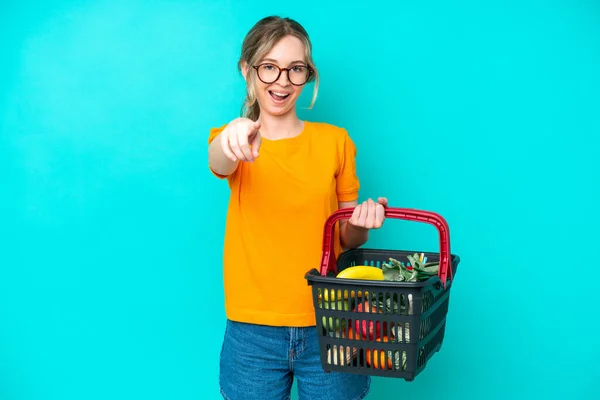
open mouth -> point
(278, 96)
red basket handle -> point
(328, 260)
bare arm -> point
(351, 236)
(218, 161)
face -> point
(279, 97)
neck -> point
(275, 127)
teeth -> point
(280, 94)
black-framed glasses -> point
(298, 75)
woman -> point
(286, 177)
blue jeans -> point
(260, 362)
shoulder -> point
(218, 128)
(327, 127)
(328, 132)
(215, 131)
(333, 139)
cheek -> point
(298, 90)
(260, 89)
(260, 95)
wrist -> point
(352, 236)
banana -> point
(362, 272)
(358, 272)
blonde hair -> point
(258, 42)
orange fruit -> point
(352, 335)
(378, 356)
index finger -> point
(245, 148)
(255, 144)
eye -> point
(298, 68)
(268, 67)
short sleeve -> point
(347, 181)
(214, 132)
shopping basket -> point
(381, 327)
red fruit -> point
(369, 332)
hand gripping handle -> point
(328, 260)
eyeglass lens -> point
(269, 73)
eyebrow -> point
(275, 61)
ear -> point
(244, 69)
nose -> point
(284, 78)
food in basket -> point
(416, 271)
(334, 323)
(369, 329)
(340, 355)
(361, 272)
(333, 327)
(344, 355)
(391, 306)
(373, 331)
(337, 305)
(337, 294)
(377, 359)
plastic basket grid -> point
(398, 336)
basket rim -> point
(455, 258)
(314, 276)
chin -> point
(272, 108)
(277, 112)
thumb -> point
(256, 125)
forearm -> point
(217, 159)
(352, 237)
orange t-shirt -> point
(274, 229)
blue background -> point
(111, 225)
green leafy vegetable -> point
(391, 306)
(394, 270)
